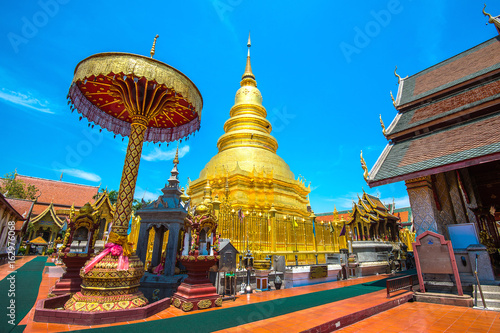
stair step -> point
(487, 308)
(489, 303)
(489, 288)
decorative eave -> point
(49, 210)
(101, 200)
(493, 19)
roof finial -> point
(492, 19)
(393, 100)
(397, 75)
(365, 168)
(382, 124)
(176, 158)
(153, 48)
(248, 78)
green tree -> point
(16, 188)
(139, 204)
(113, 195)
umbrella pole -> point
(129, 177)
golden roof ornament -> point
(382, 124)
(365, 168)
(153, 48)
(397, 75)
(392, 97)
(492, 19)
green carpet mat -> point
(231, 317)
(25, 290)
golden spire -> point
(365, 168)
(492, 19)
(153, 48)
(335, 213)
(248, 79)
(382, 124)
(176, 158)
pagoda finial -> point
(248, 78)
(365, 168)
(153, 48)
(176, 158)
(382, 124)
(492, 19)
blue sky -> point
(324, 69)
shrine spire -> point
(248, 78)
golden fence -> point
(273, 233)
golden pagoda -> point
(255, 181)
(257, 177)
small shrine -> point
(77, 247)
(198, 253)
(372, 220)
(373, 233)
(47, 225)
(165, 217)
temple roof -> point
(466, 66)
(8, 205)
(451, 148)
(448, 116)
(61, 194)
(52, 213)
(404, 215)
(21, 205)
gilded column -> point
(129, 176)
(274, 231)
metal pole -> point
(479, 285)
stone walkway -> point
(382, 314)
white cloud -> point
(158, 155)
(399, 202)
(25, 100)
(82, 174)
(140, 193)
(342, 203)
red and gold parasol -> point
(146, 100)
(109, 89)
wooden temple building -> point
(444, 143)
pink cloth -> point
(116, 250)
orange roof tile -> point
(328, 218)
(62, 194)
(22, 206)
